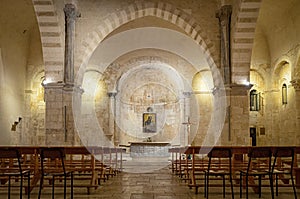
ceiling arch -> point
(142, 9)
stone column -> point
(237, 116)
(111, 119)
(59, 120)
(70, 16)
(224, 16)
(186, 117)
(296, 84)
(54, 118)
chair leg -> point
(231, 184)
(41, 186)
(271, 185)
(246, 186)
(241, 182)
(223, 186)
(28, 185)
(72, 185)
(207, 185)
(259, 186)
(53, 182)
(8, 187)
(21, 187)
(276, 181)
(65, 186)
(204, 185)
(294, 188)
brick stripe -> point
(243, 38)
(162, 10)
(51, 38)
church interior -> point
(147, 76)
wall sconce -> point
(284, 94)
(14, 125)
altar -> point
(149, 149)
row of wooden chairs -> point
(217, 162)
(57, 164)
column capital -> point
(187, 93)
(112, 93)
(53, 85)
(296, 84)
(71, 12)
(224, 13)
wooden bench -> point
(83, 162)
(192, 170)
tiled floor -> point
(161, 184)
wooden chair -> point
(259, 165)
(52, 164)
(219, 165)
(11, 168)
(281, 167)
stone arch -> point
(296, 71)
(185, 68)
(257, 80)
(137, 10)
(202, 81)
(51, 38)
(243, 38)
(282, 73)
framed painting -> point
(149, 122)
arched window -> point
(284, 94)
(254, 100)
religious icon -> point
(149, 122)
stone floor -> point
(147, 178)
(159, 184)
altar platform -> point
(149, 149)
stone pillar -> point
(224, 16)
(111, 120)
(272, 116)
(186, 118)
(54, 118)
(70, 16)
(296, 84)
(237, 117)
(59, 120)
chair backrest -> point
(53, 155)
(11, 154)
(283, 153)
(221, 155)
(260, 154)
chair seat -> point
(218, 172)
(68, 174)
(11, 167)
(52, 165)
(259, 165)
(256, 173)
(281, 171)
(219, 165)
(283, 165)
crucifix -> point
(188, 129)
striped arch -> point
(51, 38)
(133, 63)
(243, 38)
(142, 9)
